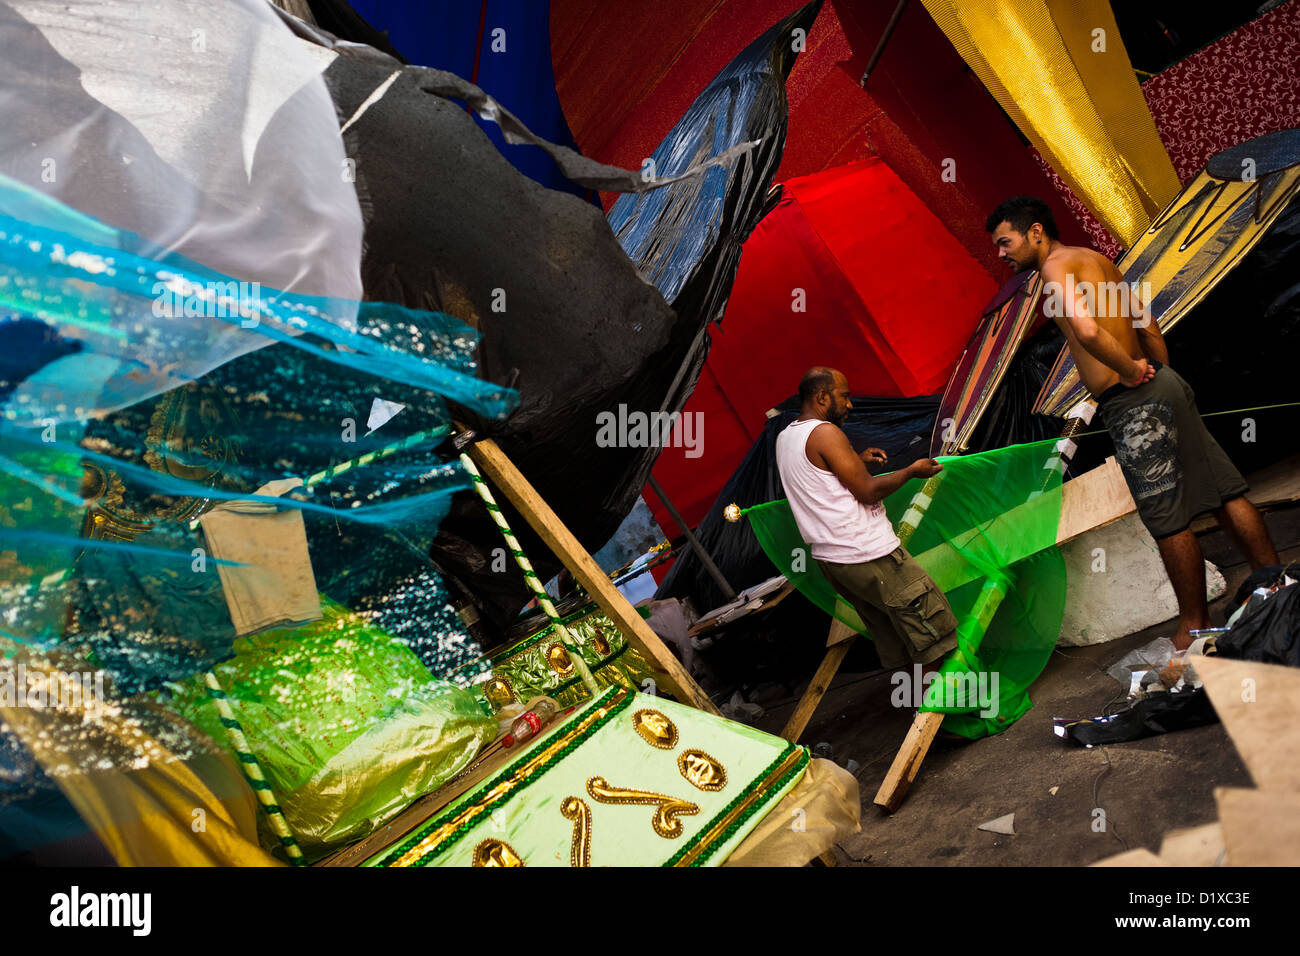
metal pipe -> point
(728, 591)
(884, 38)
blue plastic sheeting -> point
(148, 390)
(448, 36)
(149, 325)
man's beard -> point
(837, 416)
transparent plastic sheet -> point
(204, 128)
(102, 563)
(982, 528)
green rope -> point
(530, 576)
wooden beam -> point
(817, 687)
(908, 761)
(1093, 499)
(501, 471)
(917, 742)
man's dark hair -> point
(816, 380)
(1022, 212)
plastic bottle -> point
(529, 724)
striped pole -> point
(534, 582)
(253, 771)
(916, 508)
(408, 442)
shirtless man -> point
(1174, 468)
(837, 506)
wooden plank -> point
(1259, 705)
(917, 743)
(1193, 846)
(498, 469)
(817, 687)
(908, 761)
(1093, 499)
(1260, 827)
(839, 633)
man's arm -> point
(845, 464)
(1100, 344)
(1150, 339)
(1152, 342)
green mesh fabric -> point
(988, 539)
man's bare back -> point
(1089, 286)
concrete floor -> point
(1145, 787)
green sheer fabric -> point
(988, 539)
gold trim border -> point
(468, 815)
(758, 793)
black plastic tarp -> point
(565, 316)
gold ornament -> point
(667, 809)
(731, 512)
(498, 692)
(600, 642)
(494, 852)
(557, 657)
(577, 810)
(701, 770)
(655, 729)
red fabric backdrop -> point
(890, 299)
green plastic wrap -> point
(348, 725)
(991, 525)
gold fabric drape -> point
(1079, 104)
(145, 803)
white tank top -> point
(837, 526)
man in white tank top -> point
(837, 505)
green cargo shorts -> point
(906, 614)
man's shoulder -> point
(823, 432)
(1073, 260)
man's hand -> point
(874, 456)
(924, 468)
(1145, 374)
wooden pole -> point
(501, 471)
(907, 762)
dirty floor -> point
(1145, 787)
